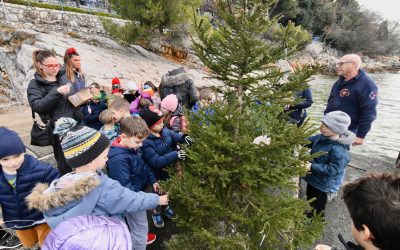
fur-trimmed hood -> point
(44, 197)
(178, 79)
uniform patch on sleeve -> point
(373, 95)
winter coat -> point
(89, 232)
(87, 194)
(178, 122)
(327, 171)
(91, 113)
(179, 83)
(298, 112)
(15, 210)
(127, 167)
(357, 97)
(47, 102)
(159, 152)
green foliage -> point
(235, 194)
(128, 33)
(156, 14)
(58, 7)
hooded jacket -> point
(127, 167)
(91, 193)
(98, 232)
(47, 102)
(159, 152)
(327, 170)
(15, 210)
(179, 83)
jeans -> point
(139, 228)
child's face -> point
(11, 164)
(100, 161)
(164, 111)
(325, 131)
(118, 114)
(158, 127)
(131, 142)
(118, 94)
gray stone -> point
(24, 58)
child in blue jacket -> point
(326, 172)
(87, 191)
(127, 167)
(160, 151)
(19, 173)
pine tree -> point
(235, 194)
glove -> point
(182, 154)
(188, 139)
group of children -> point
(135, 136)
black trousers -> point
(62, 164)
(320, 201)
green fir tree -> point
(235, 194)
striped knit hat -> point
(80, 144)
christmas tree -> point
(237, 192)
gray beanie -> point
(337, 121)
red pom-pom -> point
(71, 51)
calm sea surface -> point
(383, 141)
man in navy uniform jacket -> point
(356, 94)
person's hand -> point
(188, 139)
(182, 154)
(163, 200)
(64, 90)
(156, 187)
(322, 247)
(358, 141)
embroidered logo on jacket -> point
(373, 95)
(344, 92)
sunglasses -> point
(52, 66)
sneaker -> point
(331, 196)
(9, 241)
(158, 220)
(151, 238)
(169, 213)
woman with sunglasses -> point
(48, 97)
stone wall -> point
(39, 19)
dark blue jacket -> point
(92, 119)
(127, 167)
(16, 213)
(159, 152)
(298, 112)
(327, 171)
(358, 98)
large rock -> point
(24, 58)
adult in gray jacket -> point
(48, 97)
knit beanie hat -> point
(150, 117)
(80, 144)
(10, 143)
(116, 85)
(170, 102)
(337, 121)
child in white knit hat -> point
(326, 172)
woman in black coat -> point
(48, 97)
